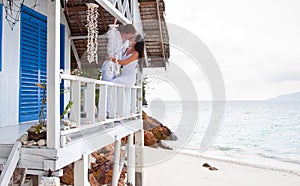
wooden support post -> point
(91, 92)
(139, 158)
(75, 109)
(136, 16)
(76, 54)
(102, 104)
(53, 61)
(115, 176)
(81, 171)
(131, 161)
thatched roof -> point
(157, 50)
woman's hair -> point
(139, 45)
(127, 29)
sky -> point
(256, 44)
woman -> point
(129, 62)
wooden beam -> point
(76, 54)
(147, 3)
(76, 17)
(11, 164)
(75, 8)
(103, 18)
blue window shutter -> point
(62, 64)
(33, 61)
(1, 17)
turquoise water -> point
(261, 128)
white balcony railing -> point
(121, 102)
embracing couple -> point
(124, 49)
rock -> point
(172, 137)
(149, 138)
(68, 176)
(32, 129)
(161, 132)
(149, 123)
(37, 136)
(93, 181)
(65, 122)
(31, 143)
(213, 168)
(144, 115)
(44, 129)
(206, 165)
(19, 176)
(41, 142)
(49, 181)
(154, 131)
(162, 145)
(23, 138)
(102, 169)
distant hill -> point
(287, 97)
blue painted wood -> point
(62, 64)
(1, 20)
(33, 63)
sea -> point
(243, 130)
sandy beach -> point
(164, 167)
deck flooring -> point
(9, 134)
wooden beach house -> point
(42, 41)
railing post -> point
(84, 96)
(90, 112)
(102, 104)
(127, 101)
(112, 101)
(75, 109)
(120, 101)
(133, 101)
(139, 100)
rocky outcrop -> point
(154, 132)
(68, 176)
(100, 172)
(149, 138)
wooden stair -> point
(9, 164)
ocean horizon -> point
(248, 130)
